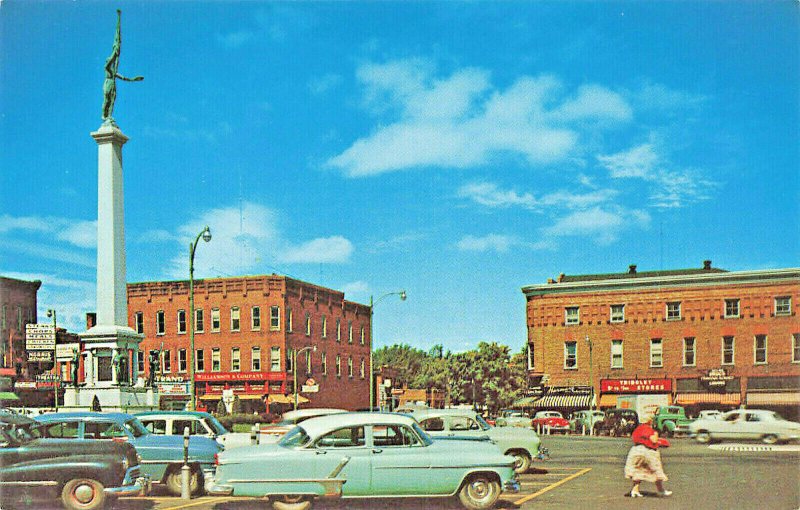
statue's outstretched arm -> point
(135, 78)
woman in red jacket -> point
(644, 460)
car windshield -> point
(295, 438)
(776, 416)
(426, 439)
(215, 425)
(136, 428)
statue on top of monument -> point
(110, 83)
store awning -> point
(778, 398)
(556, 401)
(249, 397)
(284, 399)
(731, 399)
(525, 402)
(607, 401)
(211, 396)
(8, 395)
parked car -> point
(586, 421)
(512, 418)
(274, 431)
(82, 475)
(552, 420)
(671, 420)
(618, 422)
(162, 456)
(746, 424)
(172, 423)
(521, 443)
(376, 454)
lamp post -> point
(206, 235)
(403, 295)
(52, 313)
(591, 371)
(294, 369)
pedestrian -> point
(644, 460)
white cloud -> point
(334, 249)
(81, 233)
(491, 242)
(462, 120)
(488, 194)
(360, 288)
(639, 161)
(605, 225)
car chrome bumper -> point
(140, 487)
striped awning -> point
(562, 401)
(607, 400)
(732, 399)
(525, 402)
(778, 398)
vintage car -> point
(173, 423)
(709, 414)
(274, 431)
(512, 418)
(364, 455)
(618, 422)
(671, 420)
(521, 443)
(746, 424)
(83, 475)
(585, 422)
(550, 421)
(162, 456)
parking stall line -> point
(550, 487)
(200, 501)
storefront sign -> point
(636, 385)
(66, 352)
(173, 388)
(25, 385)
(40, 356)
(716, 378)
(239, 376)
(40, 337)
(169, 379)
(48, 378)
(310, 386)
(569, 390)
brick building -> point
(246, 332)
(704, 338)
(17, 309)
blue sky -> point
(457, 150)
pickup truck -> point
(671, 420)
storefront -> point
(716, 389)
(626, 393)
(777, 393)
(565, 399)
(253, 389)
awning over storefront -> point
(284, 399)
(249, 397)
(525, 402)
(607, 401)
(216, 396)
(732, 399)
(8, 396)
(779, 398)
(555, 401)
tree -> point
(221, 410)
(236, 407)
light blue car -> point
(162, 456)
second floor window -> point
(255, 356)
(338, 366)
(275, 359)
(161, 323)
(362, 372)
(216, 323)
(570, 355)
(323, 360)
(363, 337)
(274, 318)
(199, 322)
(350, 367)
(199, 361)
(796, 348)
(236, 359)
(531, 357)
(656, 353)
(617, 313)
(760, 348)
(308, 324)
(616, 354)
(783, 305)
(167, 362)
(688, 352)
(255, 318)
(572, 315)
(727, 350)
(674, 311)
(139, 318)
(182, 360)
(731, 308)
(181, 321)
(216, 363)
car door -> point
(728, 428)
(346, 442)
(753, 427)
(400, 462)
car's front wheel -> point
(83, 494)
(522, 461)
(291, 502)
(479, 492)
(174, 481)
(769, 439)
(703, 437)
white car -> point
(745, 424)
(172, 423)
(272, 432)
(709, 415)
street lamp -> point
(402, 294)
(591, 372)
(206, 235)
(294, 369)
(52, 313)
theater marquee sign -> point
(636, 386)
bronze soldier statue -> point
(110, 83)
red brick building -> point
(247, 330)
(17, 309)
(704, 338)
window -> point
(167, 362)
(349, 332)
(338, 366)
(617, 313)
(309, 363)
(216, 364)
(289, 359)
(255, 359)
(161, 323)
(324, 362)
(531, 359)
(760, 349)
(616, 353)
(235, 318)
(216, 323)
(181, 322)
(236, 359)
(572, 315)
(783, 305)
(350, 367)
(796, 348)
(674, 311)
(570, 355)
(338, 330)
(727, 350)
(182, 360)
(343, 438)
(275, 359)
(362, 371)
(289, 320)
(199, 323)
(255, 318)
(324, 327)
(275, 318)
(199, 361)
(362, 335)
(139, 362)
(432, 425)
(731, 308)
(393, 435)
(656, 353)
(688, 352)
(308, 324)
(139, 318)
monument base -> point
(124, 399)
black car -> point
(81, 475)
(618, 422)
